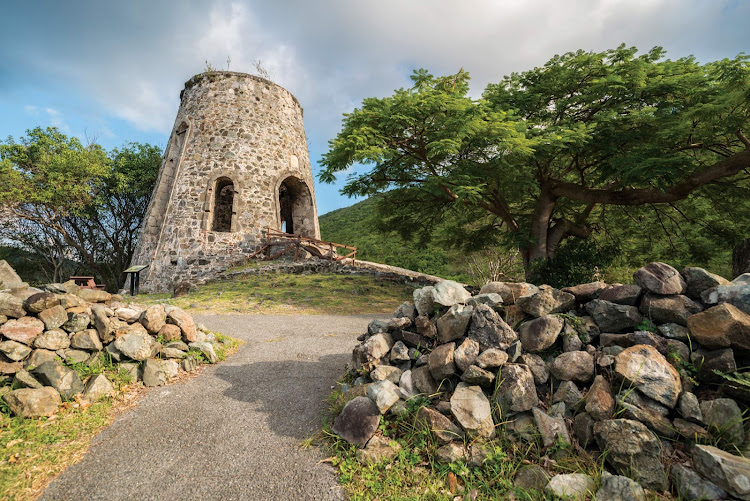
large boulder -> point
(613, 317)
(622, 294)
(690, 485)
(154, 318)
(722, 326)
(699, 280)
(63, 379)
(669, 309)
(185, 322)
(97, 387)
(573, 366)
(441, 361)
(423, 301)
(517, 392)
(9, 279)
(472, 410)
(646, 369)
(489, 329)
(136, 346)
(724, 419)
(453, 324)
(86, 340)
(11, 306)
(541, 333)
(660, 278)
(24, 330)
(546, 300)
(730, 472)
(632, 450)
(33, 402)
(586, 292)
(358, 421)
(36, 303)
(466, 354)
(735, 294)
(14, 350)
(443, 428)
(447, 293)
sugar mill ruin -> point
(236, 164)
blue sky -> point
(113, 71)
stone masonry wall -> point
(229, 126)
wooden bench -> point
(86, 283)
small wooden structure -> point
(287, 242)
(135, 277)
(87, 283)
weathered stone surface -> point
(86, 340)
(73, 356)
(24, 330)
(734, 294)
(612, 317)
(172, 353)
(569, 393)
(689, 408)
(537, 365)
(476, 375)
(466, 354)
(552, 429)
(9, 279)
(97, 387)
(406, 310)
(33, 402)
(206, 349)
(24, 379)
(632, 450)
(386, 373)
(453, 324)
(577, 486)
(137, 346)
(516, 392)
(573, 366)
(406, 386)
(722, 326)
(443, 428)
(14, 350)
(509, 291)
(637, 407)
(666, 309)
(709, 361)
(153, 373)
(660, 278)
(447, 293)
(546, 300)
(729, 472)
(76, 322)
(399, 352)
(185, 322)
(38, 357)
(423, 301)
(384, 394)
(358, 421)
(690, 431)
(377, 450)
(489, 329)
(690, 485)
(583, 429)
(622, 294)
(11, 306)
(472, 410)
(102, 323)
(128, 314)
(646, 369)
(425, 326)
(154, 318)
(491, 358)
(450, 453)
(169, 332)
(494, 301)
(61, 378)
(619, 488)
(377, 346)
(586, 292)
(540, 333)
(599, 401)
(94, 295)
(40, 301)
(699, 280)
(441, 362)
(423, 380)
(531, 476)
(674, 331)
(189, 364)
(724, 420)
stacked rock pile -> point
(44, 332)
(633, 371)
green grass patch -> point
(293, 294)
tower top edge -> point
(212, 76)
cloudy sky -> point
(113, 70)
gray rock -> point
(669, 309)
(406, 310)
(476, 375)
(622, 294)
(102, 323)
(690, 485)
(399, 352)
(377, 346)
(442, 427)
(708, 362)
(724, 420)
(441, 362)
(489, 329)
(189, 364)
(377, 450)
(569, 393)
(76, 322)
(689, 408)
(743, 279)
(33, 402)
(531, 476)
(137, 346)
(153, 373)
(24, 379)
(447, 293)
(647, 370)
(722, 326)
(586, 292)
(572, 486)
(358, 421)
(453, 324)
(61, 378)
(173, 353)
(450, 453)
(14, 350)
(73, 356)
(493, 300)
(38, 357)
(36, 303)
(546, 300)
(206, 349)
(424, 381)
(171, 368)
(537, 366)
(660, 278)
(619, 488)
(573, 366)
(53, 317)
(386, 373)
(86, 340)
(699, 280)
(522, 426)
(491, 358)
(509, 291)
(674, 331)
(54, 340)
(552, 429)
(423, 301)
(517, 392)
(734, 294)
(612, 317)
(600, 404)
(466, 354)
(384, 394)
(406, 386)
(11, 306)
(633, 450)
(154, 318)
(632, 405)
(541, 333)
(97, 387)
(472, 410)
(425, 326)
(583, 429)
(729, 472)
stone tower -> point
(236, 163)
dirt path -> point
(234, 431)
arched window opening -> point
(223, 204)
(285, 207)
(296, 209)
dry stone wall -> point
(239, 140)
(632, 374)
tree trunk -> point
(741, 258)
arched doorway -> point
(296, 211)
(223, 205)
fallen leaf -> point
(452, 482)
(13, 442)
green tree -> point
(544, 152)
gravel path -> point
(234, 431)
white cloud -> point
(56, 120)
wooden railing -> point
(288, 241)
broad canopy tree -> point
(544, 151)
